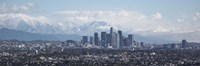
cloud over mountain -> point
(16, 8)
(26, 23)
(136, 21)
(85, 22)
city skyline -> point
(114, 39)
(99, 33)
(167, 20)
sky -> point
(183, 6)
(178, 19)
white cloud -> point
(196, 16)
(157, 16)
(161, 29)
(180, 20)
(127, 21)
(16, 8)
(35, 24)
(135, 21)
(43, 19)
(19, 16)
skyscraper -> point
(108, 37)
(130, 39)
(103, 39)
(111, 36)
(91, 40)
(120, 38)
(184, 43)
(96, 39)
(111, 30)
(85, 39)
(115, 41)
(126, 42)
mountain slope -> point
(155, 39)
(7, 34)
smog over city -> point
(99, 33)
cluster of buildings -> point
(183, 45)
(116, 40)
(112, 39)
(71, 53)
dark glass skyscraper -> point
(130, 39)
(126, 42)
(108, 38)
(96, 39)
(91, 40)
(103, 39)
(85, 39)
(111, 36)
(120, 38)
(111, 30)
(184, 43)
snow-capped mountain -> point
(37, 25)
(27, 23)
(8, 34)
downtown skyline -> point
(100, 32)
(113, 39)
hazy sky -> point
(171, 9)
(145, 6)
(177, 18)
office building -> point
(111, 36)
(108, 37)
(115, 41)
(120, 38)
(111, 30)
(184, 43)
(126, 42)
(91, 40)
(103, 39)
(85, 39)
(96, 39)
(130, 39)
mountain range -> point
(24, 27)
(7, 34)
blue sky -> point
(169, 8)
(176, 6)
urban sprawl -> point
(104, 49)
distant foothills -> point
(9, 34)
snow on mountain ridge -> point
(26, 23)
